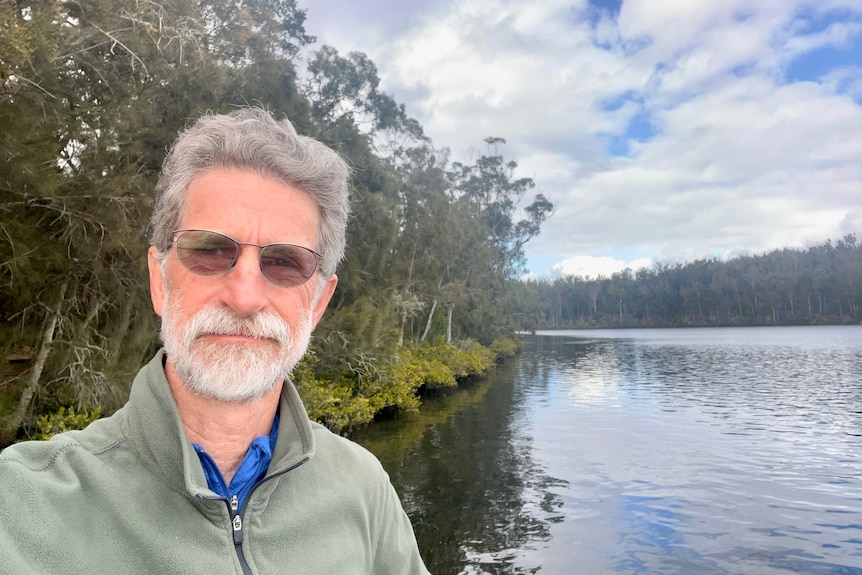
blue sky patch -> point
(596, 10)
(810, 22)
(639, 129)
(812, 66)
(617, 102)
(611, 7)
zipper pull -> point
(235, 519)
(236, 522)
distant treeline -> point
(822, 284)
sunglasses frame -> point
(318, 259)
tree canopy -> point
(820, 284)
(92, 93)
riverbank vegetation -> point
(818, 285)
(92, 93)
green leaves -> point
(93, 92)
(489, 190)
(343, 400)
(64, 419)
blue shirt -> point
(250, 471)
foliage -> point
(422, 369)
(816, 285)
(332, 402)
(489, 191)
(345, 400)
(505, 347)
(64, 419)
(91, 95)
(467, 359)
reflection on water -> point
(720, 451)
(468, 480)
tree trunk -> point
(430, 318)
(20, 415)
(121, 330)
(449, 323)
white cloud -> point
(593, 267)
(739, 159)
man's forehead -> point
(241, 201)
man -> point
(213, 466)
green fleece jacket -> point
(128, 495)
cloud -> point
(683, 129)
(594, 267)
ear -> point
(323, 299)
(157, 281)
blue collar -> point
(250, 471)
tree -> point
(490, 192)
(347, 88)
(91, 94)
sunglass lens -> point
(286, 265)
(206, 253)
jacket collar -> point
(154, 427)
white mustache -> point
(219, 321)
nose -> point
(245, 285)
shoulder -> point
(54, 495)
(361, 489)
(63, 453)
(346, 465)
(49, 479)
(332, 447)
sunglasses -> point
(209, 253)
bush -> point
(442, 365)
(64, 419)
(344, 401)
(505, 347)
(368, 387)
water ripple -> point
(720, 454)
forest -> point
(92, 93)
(819, 285)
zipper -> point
(236, 523)
(236, 515)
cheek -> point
(294, 311)
(188, 296)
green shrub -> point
(505, 347)
(367, 386)
(416, 369)
(441, 365)
(344, 401)
(64, 419)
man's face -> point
(235, 336)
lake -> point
(649, 451)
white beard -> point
(232, 371)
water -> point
(684, 451)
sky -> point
(663, 130)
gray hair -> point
(251, 139)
